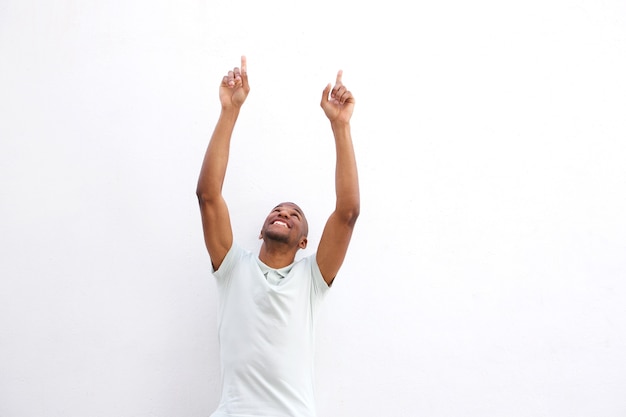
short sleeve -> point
(319, 285)
(230, 260)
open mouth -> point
(280, 223)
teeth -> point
(278, 222)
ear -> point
(303, 243)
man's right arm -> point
(218, 235)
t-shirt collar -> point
(274, 276)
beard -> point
(276, 237)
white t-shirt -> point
(266, 327)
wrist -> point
(338, 125)
(229, 116)
(230, 111)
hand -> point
(338, 104)
(234, 87)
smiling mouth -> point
(280, 223)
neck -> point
(276, 255)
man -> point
(268, 303)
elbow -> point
(351, 214)
(204, 195)
(354, 215)
(201, 196)
(201, 192)
(209, 189)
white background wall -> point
(487, 271)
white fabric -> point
(266, 332)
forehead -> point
(290, 205)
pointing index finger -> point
(244, 64)
(339, 75)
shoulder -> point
(236, 256)
(308, 266)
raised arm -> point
(218, 235)
(338, 105)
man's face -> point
(286, 223)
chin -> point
(276, 237)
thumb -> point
(325, 94)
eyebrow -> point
(294, 208)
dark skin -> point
(283, 233)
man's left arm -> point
(338, 105)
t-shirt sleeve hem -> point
(319, 282)
(227, 264)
